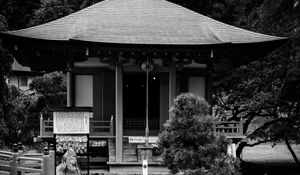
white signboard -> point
(71, 122)
(142, 139)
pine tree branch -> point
(258, 143)
(247, 123)
(222, 104)
(266, 125)
(267, 115)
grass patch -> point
(267, 160)
(265, 153)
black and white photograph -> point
(149, 87)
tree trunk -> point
(240, 149)
(292, 152)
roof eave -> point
(150, 47)
(17, 38)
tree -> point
(21, 117)
(188, 142)
(13, 15)
(52, 88)
(228, 11)
(18, 13)
(5, 67)
(21, 111)
(10, 93)
(289, 99)
(23, 122)
(52, 10)
(264, 93)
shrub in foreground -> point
(189, 144)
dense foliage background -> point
(22, 110)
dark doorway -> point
(134, 101)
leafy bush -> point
(52, 88)
(22, 118)
(22, 110)
(188, 142)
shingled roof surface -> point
(142, 22)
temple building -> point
(126, 60)
(22, 76)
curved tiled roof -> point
(141, 22)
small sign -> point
(98, 143)
(77, 143)
(71, 122)
(142, 139)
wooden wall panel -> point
(164, 102)
(129, 151)
(112, 150)
(109, 103)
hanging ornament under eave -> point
(147, 65)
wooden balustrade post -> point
(20, 154)
(46, 151)
(15, 148)
(112, 125)
(241, 127)
(13, 160)
(13, 164)
(41, 124)
(20, 149)
(236, 128)
(51, 164)
(46, 157)
(45, 168)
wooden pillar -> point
(209, 78)
(172, 87)
(119, 114)
(70, 88)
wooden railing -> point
(100, 127)
(140, 123)
(229, 128)
(17, 163)
(106, 128)
(97, 127)
(46, 126)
